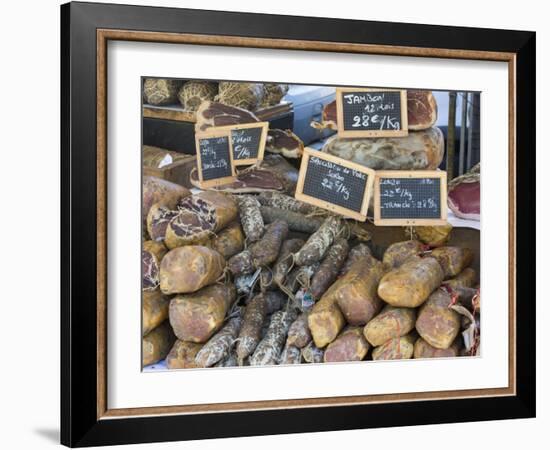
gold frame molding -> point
(105, 35)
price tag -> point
(334, 184)
(248, 142)
(214, 158)
(410, 197)
(371, 112)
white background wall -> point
(29, 181)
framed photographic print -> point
(204, 295)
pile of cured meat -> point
(421, 149)
(263, 279)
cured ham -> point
(420, 150)
(463, 195)
(274, 173)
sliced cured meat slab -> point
(287, 173)
(284, 142)
(421, 112)
(250, 182)
(463, 195)
(215, 114)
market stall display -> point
(251, 272)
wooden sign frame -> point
(299, 195)
(87, 416)
(211, 133)
(371, 133)
(442, 175)
(263, 139)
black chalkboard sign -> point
(335, 184)
(248, 142)
(410, 198)
(371, 112)
(214, 157)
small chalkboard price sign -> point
(335, 184)
(371, 112)
(214, 158)
(248, 141)
(410, 197)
